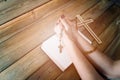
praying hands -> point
(85, 57)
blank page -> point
(50, 47)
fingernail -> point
(62, 16)
(57, 23)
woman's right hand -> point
(69, 27)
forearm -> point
(116, 69)
(101, 61)
(82, 43)
(84, 68)
(104, 64)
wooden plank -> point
(48, 71)
(114, 47)
(26, 40)
(111, 49)
(116, 55)
(108, 35)
(12, 8)
(30, 42)
(18, 24)
(103, 21)
(15, 26)
(80, 9)
(21, 69)
(97, 10)
(69, 74)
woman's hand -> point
(68, 28)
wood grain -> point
(11, 9)
(69, 74)
(21, 69)
(116, 55)
(18, 24)
(103, 21)
(31, 37)
(48, 71)
(108, 35)
(35, 59)
(111, 49)
(26, 43)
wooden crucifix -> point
(85, 24)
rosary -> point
(60, 41)
(83, 23)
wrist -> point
(89, 51)
(83, 44)
(77, 37)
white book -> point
(50, 47)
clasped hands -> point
(68, 28)
(70, 35)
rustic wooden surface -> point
(10, 9)
(12, 27)
(117, 53)
(20, 54)
(111, 49)
(25, 41)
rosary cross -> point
(60, 42)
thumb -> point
(65, 22)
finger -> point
(74, 24)
(69, 24)
(65, 22)
(58, 28)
